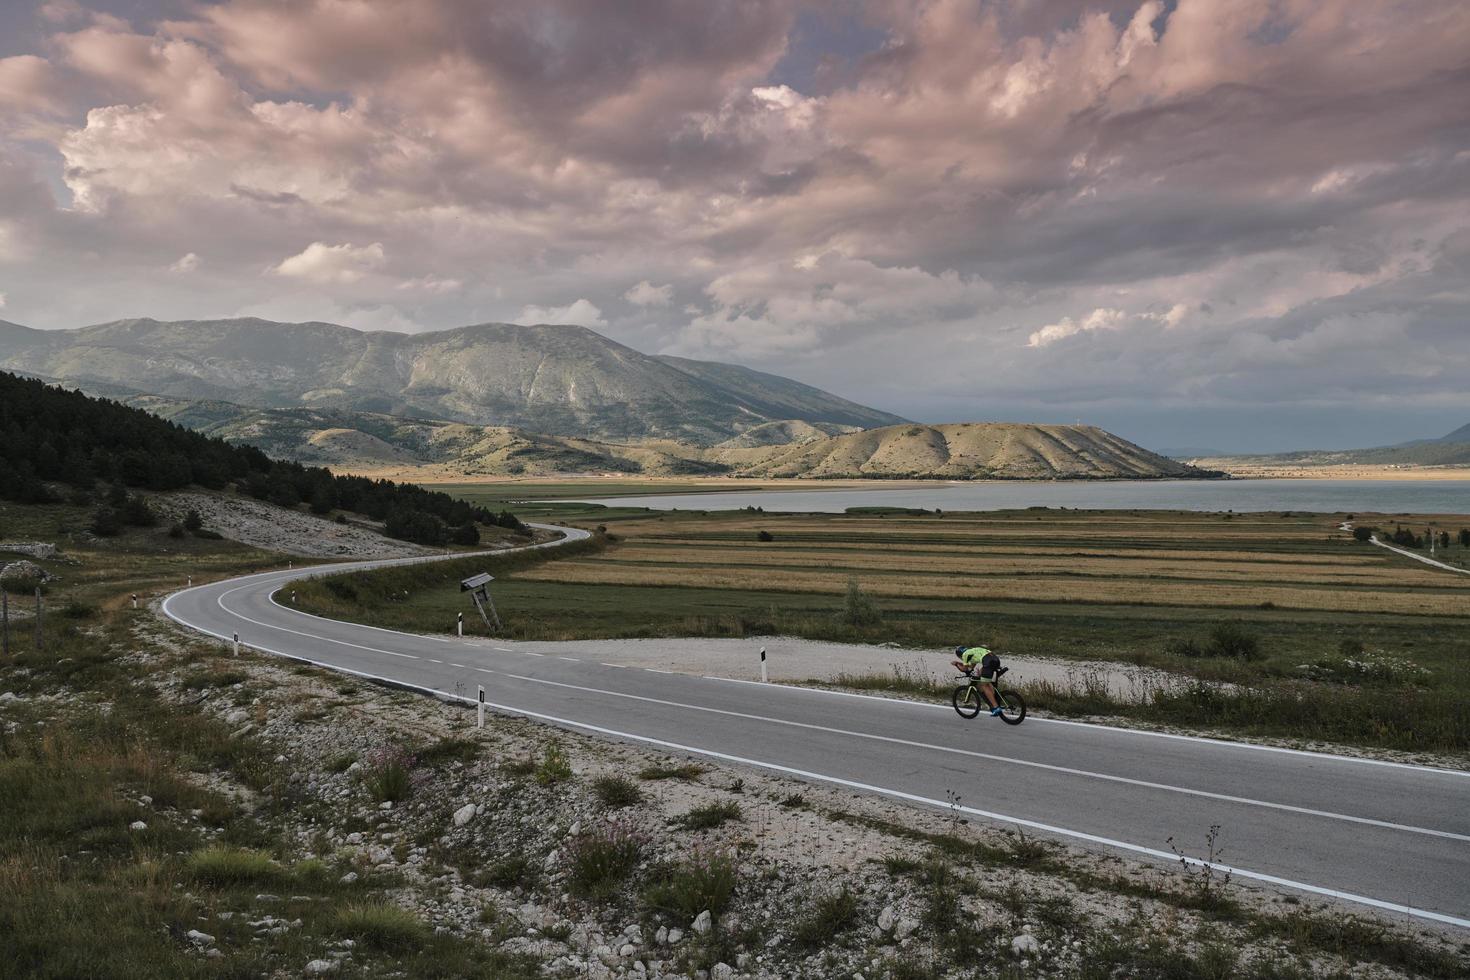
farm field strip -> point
(904, 533)
(1100, 590)
(1042, 549)
(983, 564)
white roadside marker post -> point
(293, 597)
(764, 678)
(135, 600)
(459, 623)
(480, 722)
(190, 580)
(237, 644)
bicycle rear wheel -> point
(966, 700)
(1012, 707)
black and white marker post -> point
(135, 600)
(764, 678)
(480, 721)
(459, 623)
(237, 644)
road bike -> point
(968, 701)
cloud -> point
(1003, 189)
(581, 313)
(327, 264)
(186, 263)
(1098, 319)
(647, 294)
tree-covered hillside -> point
(51, 436)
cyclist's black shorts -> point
(988, 665)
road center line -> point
(991, 757)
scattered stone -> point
(887, 919)
(905, 929)
(318, 967)
(199, 938)
(675, 935)
(722, 971)
(464, 814)
(1025, 945)
(703, 923)
(137, 825)
(348, 879)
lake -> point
(1319, 496)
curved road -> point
(1392, 837)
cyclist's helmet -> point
(959, 650)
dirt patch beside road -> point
(275, 529)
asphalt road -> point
(1392, 837)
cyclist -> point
(967, 659)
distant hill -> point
(1452, 449)
(558, 380)
(975, 450)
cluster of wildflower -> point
(1369, 668)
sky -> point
(1230, 224)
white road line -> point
(220, 601)
(1115, 729)
(505, 649)
(616, 666)
(436, 661)
(882, 791)
(572, 659)
(1008, 760)
(655, 670)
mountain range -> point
(557, 380)
(505, 399)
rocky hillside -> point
(1452, 449)
(975, 450)
(559, 380)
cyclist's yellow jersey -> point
(973, 655)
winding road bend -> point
(1392, 837)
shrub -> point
(387, 774)
(708, 817)
(208, 535)
(75, 609)
(381, 926)
(228, 867)
(1231, 640)
(1361, 533)
(192, 521)
(176, 531)
(516, 871)
(687, 772)
(106, 523)
(554, 766)
(615, 791)
(858, 608)
(598, 861)
(137, 512)
(830, 914)
(706, 880)
(765, 536)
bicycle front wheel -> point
(1012, 707)
(966, 700)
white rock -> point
(576, 829)
(317, 967)
(199, 938)
(464, 814)
(887, 919)
(137, 825)
(379, 855)
(703, 922)
(354, 838)
(347, 879)
(662, 936)
(722, 971)
(386, 805)
(675, 935)
(10, 696)
(146, 800)
(905, 929)
(1025, 945)
(628, 950)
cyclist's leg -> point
(988, 689)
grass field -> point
(1139, 587)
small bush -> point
(387, 774)
(1231, 640)
(192, 521)
(708, 817)
(516, 871)
(228, 867)
(765, 536)
(687, 772)
(208, 535)
(176, 531)
(830, 914)
(1362, 533)
(615, 791)
(600, 860)
(858, 608)
(381, 926)
(706, 880)
(75, 609)
(554, 766)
